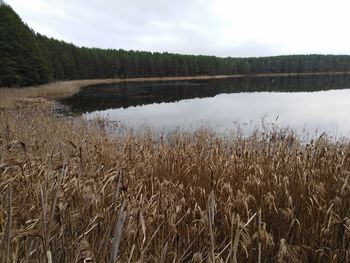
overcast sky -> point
(209, 27)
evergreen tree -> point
(21, 60)
(27, 58)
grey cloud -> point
(182, 26)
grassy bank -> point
(10, 96)
(71, 193)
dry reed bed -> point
(11, 96)
(71, 193)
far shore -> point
(60, 89)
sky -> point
(236, 28)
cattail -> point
(276, 198)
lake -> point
(307, 104)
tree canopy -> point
(29, 58)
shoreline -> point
(204, 77)
(61, 89)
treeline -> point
(28, 58)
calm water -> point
(312, 104)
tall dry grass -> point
(10, 96)
(71, 193)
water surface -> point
(314, 104)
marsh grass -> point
(11, 96)
(71, 193)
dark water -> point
(311, 103)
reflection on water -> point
(301, 103)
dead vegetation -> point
(10, 96)
(71, 193)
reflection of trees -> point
(118, 95)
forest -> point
(29, 58)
